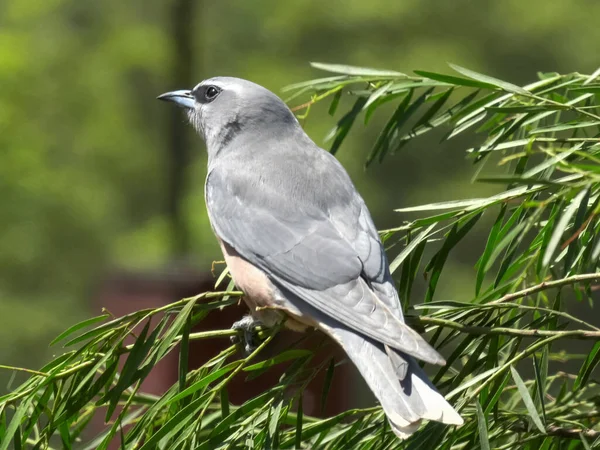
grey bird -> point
(300, 243)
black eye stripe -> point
(206, 94)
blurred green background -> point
(97, 176)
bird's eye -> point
(211, 93)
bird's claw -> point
(248, 325)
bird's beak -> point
(184, 98)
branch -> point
(479, 331)
(572, 433)
(548, 285)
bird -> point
(300, 243)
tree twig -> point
(572, 433)
(548, 285)
(22, 369)
(479, 331)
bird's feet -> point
(248, 326)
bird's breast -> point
(262, 297)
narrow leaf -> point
(69, 331)
(454, 80)
(509, 87)
(561, 226)
(282, 357)
(327, 384)
(484, 441)
(590, 363)
(378, 93)
(524, 392)
(353, 70)
(410, 248)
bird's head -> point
(222, 108)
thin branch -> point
(548, 285)
(548, 139)
(541, 309)
(22, 369)
(566, 106)
(480, 331)
(303, 106)
(578, 232)
(572, 433)
(586, 415)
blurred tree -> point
(178, 147)
(84, 159)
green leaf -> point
(476, 380)
(482, 263)
(380, 101)
(175, 424)
(274, 422)
(596, 251)
(327, 384)
(409, 274)
(525, 108)
(335, 101)
(496, 392)
(472, 203)
(561, 226)
(353, 70)
(313, 83)
(298, 435)
(175, 328)
(592, 77)
(577, 224)
(14, 424)
(433, 110)
(454, 237)
(410, 248)
(540, 369)
(344, 125)
(128, 373)
(282, 357)
(86, 323)
(243, 411)
(565, 126)
(382, 141)
(222, 276)
(393, 140)
(524, 392)
(451, 114)
(453, 204)
(224, 397)
(105, 329)
(509, 87)
(590, 363)
(377, 94)
(484, 441)
(454, 80)
(592, 89)
(204, 381)
(184, 354)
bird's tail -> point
(402, 388)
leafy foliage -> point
(541, 144)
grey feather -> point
(298, 243)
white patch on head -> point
(238, 88)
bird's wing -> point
(331, 259)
